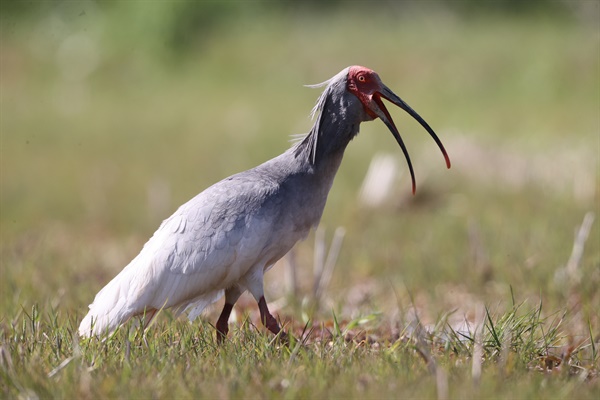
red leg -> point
(147, 317)
(223, 323)
(231, 296)
(268, 320)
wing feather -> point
(208, 244)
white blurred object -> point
(77, 57)
(377, 186)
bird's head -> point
(366, 85)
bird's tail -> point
(110, 309)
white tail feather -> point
(110, 308)
(133, 293)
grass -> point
(365, 359)
(90, 166)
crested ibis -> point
(224, 240)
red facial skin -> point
(365, 84)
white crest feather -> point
(321, 101)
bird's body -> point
(223, 240)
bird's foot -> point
(282, 338)
(221, 336)
(271, 323)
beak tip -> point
(448, 164)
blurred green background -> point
(113, 113)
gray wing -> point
(207, 244)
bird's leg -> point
(223, 323)
(254, 282)
(147, 317)
(231, 296)
(268, 320)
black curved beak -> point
(379, 109)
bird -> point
(223, 241)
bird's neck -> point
(305, 172)
(327, 140)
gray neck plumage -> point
(337, 123)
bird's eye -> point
(361, 78)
